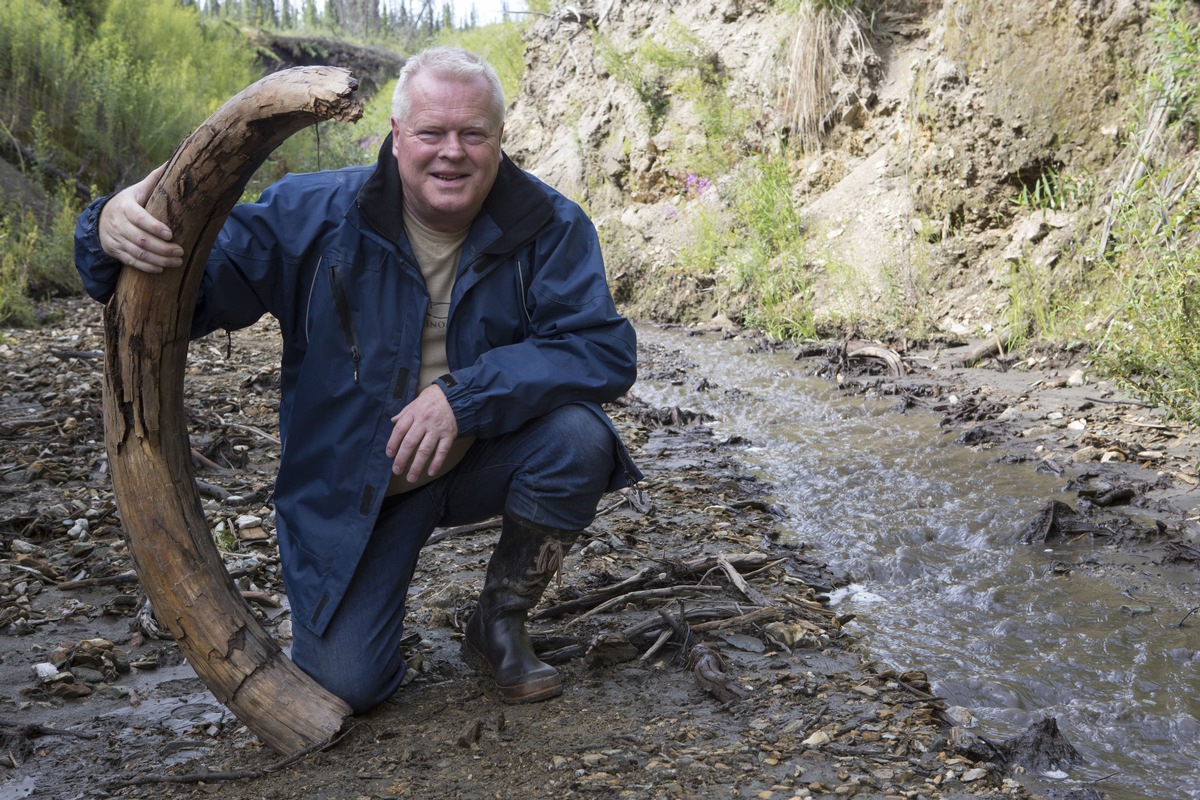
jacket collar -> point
(517, 205)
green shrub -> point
(769, 268)
(38, 65)
(118, 84)
(18, 240)
(36, 258)
(52, 262)
(155, 71)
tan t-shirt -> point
(437, 254)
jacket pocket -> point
(344, 319)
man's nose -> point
(451, 146)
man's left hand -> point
(422, 435)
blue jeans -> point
(552, 472)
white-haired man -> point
(448, 336)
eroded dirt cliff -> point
(937, 118)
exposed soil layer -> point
(700, 656)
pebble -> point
(247, 521)
(598, 547)
(817, 739)
(45, 671)
(961, 717)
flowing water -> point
(928, 532)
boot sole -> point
(528, 692)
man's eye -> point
(474, 137)
(428, 136)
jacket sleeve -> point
(97, 269)
(254, 264)
(241, 278)
(576, 347)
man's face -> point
(448, 151)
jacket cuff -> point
(465, 409)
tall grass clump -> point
(1151, 240)
(753, 244)
(826, 56)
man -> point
(448, 334)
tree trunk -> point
(146, 338)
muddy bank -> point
(700, 654)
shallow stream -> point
(928, 532)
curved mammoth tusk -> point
(147, 323)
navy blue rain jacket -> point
(532, 326)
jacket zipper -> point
(343, 312)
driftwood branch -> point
(735, 577)
(146, 340)
(885, 355)
(709, 671)
(642, 579)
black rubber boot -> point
(525, 559)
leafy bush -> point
(105, 89)
(118, 84)
(155, 71)
(36, 258)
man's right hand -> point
(130, 235)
